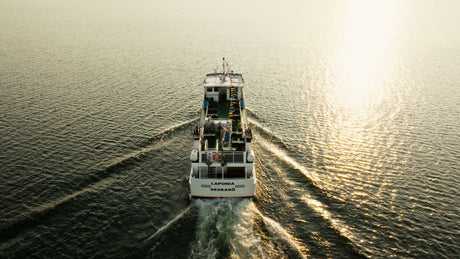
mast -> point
(223, 66)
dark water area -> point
(354, 107)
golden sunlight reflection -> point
(358, 99)
(367, 38)
(316, 205)
(286, 158)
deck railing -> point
(229, 157)
(234, 157)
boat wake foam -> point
(313, 193)
(93, 182)
(282, 154)
(267, 133)
(235, 228)
(168, 224)
(167, 132)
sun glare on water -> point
(367, 38)
(360, 96)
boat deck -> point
(224, 108)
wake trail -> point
(253, 113)
(34, 216)
(267, 133)
(235, 228)
(170, 223)
(281, 235)
(282, 155)
(335, 223)
(170, 130)
(94, 181)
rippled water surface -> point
(354, 105)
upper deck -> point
(223, 80)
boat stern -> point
(222, 188)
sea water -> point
(354, 107)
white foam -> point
(320, 208)
(246, 243)
(167, 225)
(216, 224)
(283, 156)
(230, 225)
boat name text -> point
(222, 183)
(222, 189)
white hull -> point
(222, 188)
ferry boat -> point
(222, 157)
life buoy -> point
(217, 157)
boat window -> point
(216, 89)
(209, 89)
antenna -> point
(223, 65)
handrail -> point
(244, 118)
